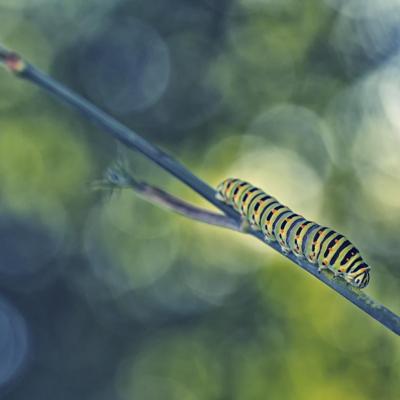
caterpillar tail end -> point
(219, 197)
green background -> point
(104, 296)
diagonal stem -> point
(132, 140)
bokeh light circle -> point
(127, 68)
(30, 247)
(13, 342)
(180, 366)
(124, 248)
(364, 8)
(281, 173)
(299, 129)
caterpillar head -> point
(359, 279)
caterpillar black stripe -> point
(320, 245)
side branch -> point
(117, 177)
(172, 203)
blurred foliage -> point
(104, 296)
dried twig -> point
(118, 177)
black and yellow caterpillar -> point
(318, 244)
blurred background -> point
(109, 297)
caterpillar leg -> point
(322, 268)
(268, 239)
(336, 274)
(297, 255)
(285, 250)
(254, 227)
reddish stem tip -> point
(12, 61)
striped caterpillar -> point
(318, 244)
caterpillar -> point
(318, 244)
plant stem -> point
(132, 140)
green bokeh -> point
(134, 302)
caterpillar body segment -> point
(248, 198)
(330, 249)
(237, 194)
(315, 241)
(273, 218)
(320, 245)
(348, 261)
(224, 190)
(301, 238)
(261, 209)
(292, 239)
(284, 228)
